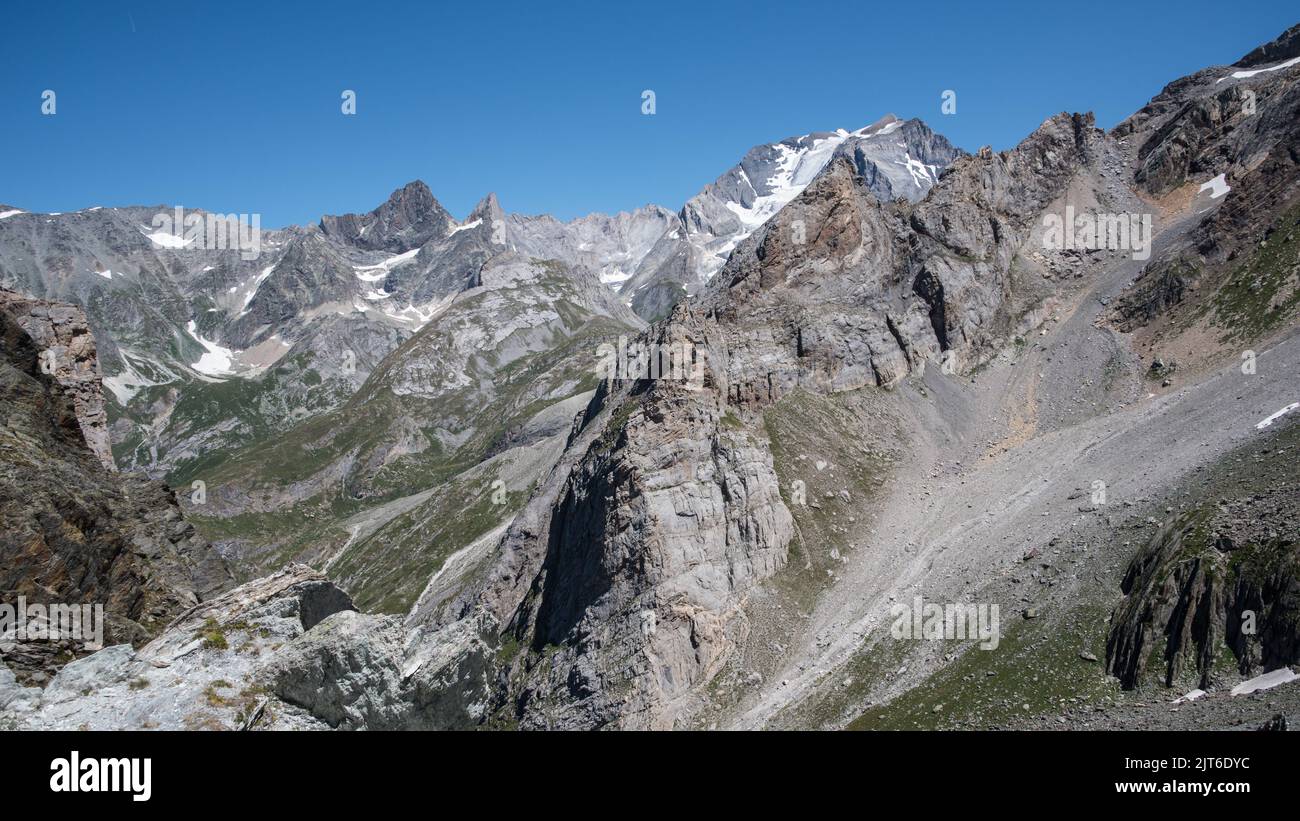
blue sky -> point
(235, 106)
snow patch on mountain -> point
(1217, 187)
(163, 239)
(614, 277)
(769, 176)
(217, 361)
(1242, 75)
(251, 288)
(795, 169)
(375, 273)
(456, 229)
(923, 175)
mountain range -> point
(375, 475)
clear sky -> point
(235, 107)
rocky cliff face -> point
(873, 290)
(619, 591)
(1231, 134)
(627, 575)
(1215, 594)
(612, 246)
(67, 352)
(74, 532)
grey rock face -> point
(283, 652)
(659, 532)
(355, 672)
(74, 532)
(14, 698)
(874, 291)
(346, 673)
(612, 246)
(1209, 124)
(1285, 47)
(410, 218)
(67, 347)
(208, 670)
(1187, 592)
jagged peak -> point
(407, 219)
(488, 210)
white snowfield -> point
(615, 277)
(1268, 681)
(1217, 187)
(217, 362)
(1192, 696)
(165, 240)
(374, 273)
(252, 287)
(8, 214)
(1270, 420)
(456, 229)
(1242, 75)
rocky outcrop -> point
(72, 532)
(209, 669)
(1243, 128)
(67, 352)
(1214, 594)
(359, 671)
(612, 246)
(839, 290)
(1213, 122)
(639, 568)
(1285, 47)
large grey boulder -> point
(205, 671)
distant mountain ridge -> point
(205, 350)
